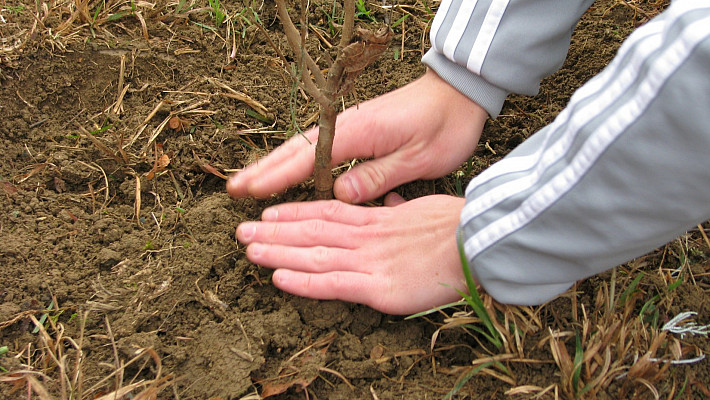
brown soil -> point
(172, 278)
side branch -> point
(348, 23)
(294, 40)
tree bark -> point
(323, 174)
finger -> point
(374, 178)
(317, 259)
(339, 285)
(293, 161)
(393, 199)
(331, 210)
(289, 164)
(312, 232)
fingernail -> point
(352, 189)
(279, 278)
(246, 231)
(255, 250)
(270, 214)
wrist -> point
(472, 86)
(453, 101)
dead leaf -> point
(160, 163)
(9, 188)
(204, 166)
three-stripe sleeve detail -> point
(646, 77)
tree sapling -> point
(358, 48)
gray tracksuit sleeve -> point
(489, 48)
(623, 169)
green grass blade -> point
(630, 290)
(399, 21)
(682, 390)
(465, 378)
(474, 298)
(578, 357)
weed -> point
(3, 351)
(682, 390)
(465, 378)
(332, 18)
(182, 7)
(649, 311)
(399, 21)
(72, 317)
(17, 10)
(43, 318)
(217, 11)
(630, 290)
(362, 12)
(473, 299)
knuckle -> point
(315, 230)
(337, 281)
(376, 176)
(275, 231)
(296, 212)
(321, 258)
(332, 209)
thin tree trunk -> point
(322, 174)
(353, 57)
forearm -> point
(618, 173)
(487, 49)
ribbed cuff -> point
(473, 86)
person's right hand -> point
(423, 130)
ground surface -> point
(118, 272)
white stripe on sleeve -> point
(658, 73)
(485, 35)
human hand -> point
(396, 259)
(423, 130)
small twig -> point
(117, 361)
(339, 375)
(348, 23)
(704, 235)
(137, 205)
(118, 106)
(243, 97)
(38, 123)
(271, 42)
(293, 37)
(23, 100)
(99, 145)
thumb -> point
(372, 179)
(393, 200)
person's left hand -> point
(398, 259)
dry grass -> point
(54, 367)
(611, 347)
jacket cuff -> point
(473, 86)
